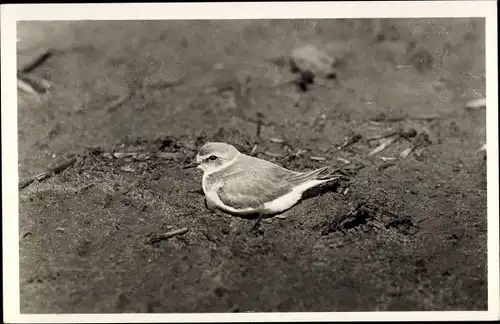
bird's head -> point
(214, 156)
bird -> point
(239, 184)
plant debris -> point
(385, 144)
(317, 158)
(276, 140)
(49, 173)
(365, 213)
(387, 158)
(476, 104)
(113, 105)
(350, 141)
(345, 161)
(155, 238)
(39, 59)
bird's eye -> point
(212, 158)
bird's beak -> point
(191, 165)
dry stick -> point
(274, 155)
(31, 85)
(27, 88)
(377, 137)
(118, 102)
(384, 145)
(276, 140)
(27, 84)
(253, 149)
(163, 84)
(404, 117)
(39, 60)
(352, 140)
(259, 126)
(166, 236)
(46, 175)
(426, 118)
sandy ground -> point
(403, 234)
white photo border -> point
(11, 14)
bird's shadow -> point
(308, 194)
(320, 190)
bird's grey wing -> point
(298, 178)
(325, 173)
(243, 189)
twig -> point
(276, 140)
(27, 88)
(426, 118)
(406, 152)
(165, 236)
(260, 116)
(118, 102)
(253, 149)
(39, 60)
(63, 166)
(24, 183)
(352, 140)
(274, 155)
(476, 104)
(384, 145)
(163, 84)
(384, 118)
(377, 137)
(345, 161)
(32, 85)
(46, 175)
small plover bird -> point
(240, 184)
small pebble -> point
(141, 220)
(345, 161)
(127, 169)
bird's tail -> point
(324, 174)
(330, 173)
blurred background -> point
(175, 76)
